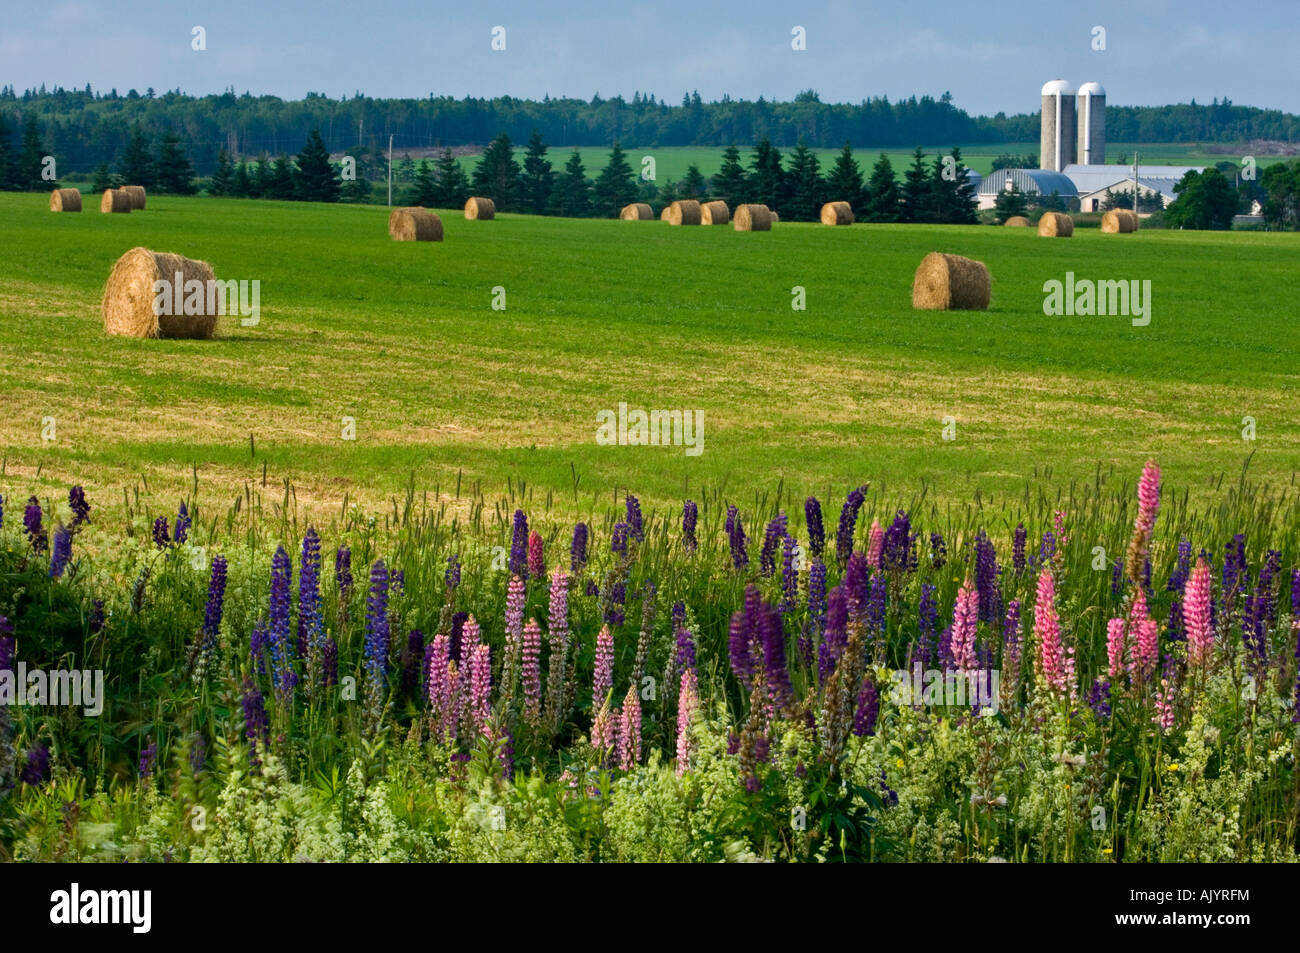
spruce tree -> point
(316, 179)
(766, 183)
(424, 186)
(223, 178)
(883, 196)
(102, 179)
(916, 195)
(806, 186)
(1009, 203)
(136, 167)
(280, 183)
(497, 175)
(174, 171)
(262, 178)
(615, 186)
(951, 191)
(844, 182)
(572, 196)
(539, 177)
(31, 157)
(729, 184)
(240, 185)
(452, 189)
(693, 184)
(8, 158)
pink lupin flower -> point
(604, 734)
(1116, 636)
(1146, 649)
(1047, 632)
(1058, 524)
(875, 544)
(604, 676)
(1164, 716)
(481, 687)
(515, 596)
(469, 637)
(965, 617)
(1196, 615)
(536, 561)
(688, 701)
(532, 670)
(439, 658)
(557, 625)
(454, 703)
(1148, 498)
(629, 755)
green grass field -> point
(403, 338)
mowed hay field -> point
(402, 337)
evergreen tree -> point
(668, 193)
(136, 167)
(262, 178)
(31, 158)
(916, 205)
(952, 194)
(806, 186)
(279, 184)
(572, 196)
(844, 182)
(222, 179)
(424, 187)
(692, 186)
(883, 197)
(102, 179)
(405, 171)
(452, 184)
(766, 183)
(497, 175)
(8, 158)
(729, 184)
(174, 171)
(357, 188)
(1009, 203)
(241, 186)
(316, 179)
(615, 186)
(539, 177)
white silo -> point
(1056, 144)
(1090, 106)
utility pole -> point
(1135, 182)
(390, 168)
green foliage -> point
(729, 183)
(844, 183)
(766, 182)
(1206, 200)
(497, 175)
(884, 198)
(806, 188)
(615, 187)
(538, 181)
(1010, 203)
(572, 196)
(315, 179)
(452, 185)
(136, 165)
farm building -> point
(1032, 182)
(1095, 183)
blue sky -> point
(992, 57)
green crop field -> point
(404, 339)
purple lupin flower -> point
(578, 549)
(848, 523)
(343, 571)
(310, 624)
(1099, 699)
(181, 531)
(257, 648)
(777, 674)
(938, 551)
(519, 547)
(412, 659)
(257, 727)
(36, 534)
(452, 576)
(690, 516)
(868, 709)
(1295, 627)
(1265, 586)
(37, 767)
(536, 556)
(1018, 541)
(928, 624)
(898, 548)
(198, 754)
(742, 637)
(857, 585)
(79, 506)
(8, 645)
(282, 672)
(875, 614)
(685, 657)
(212, 611)
(636, 524)
(376, 645)
(618, 541)
(1117, 577)
(161, 537)
(62, 553)
(2, 509)
(148, 757)
(614, 614)
(772, 536)
(789, 576)
(986, 579)
(329, 662)
(1047, 550)
(812, 515)
(836, 637)
(737, 539)
(1234, 569)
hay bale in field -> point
(480, 208)
(1055, 225)
(753, 218)
(637, 212)
(65, 200)
(951, 282)
(1119, 221)
(776, 217)
(663, 216)
(684, 212)
(136, 194)
(714, 213)
(837, 213)
(114, 200)
(414, 223)
(1016, 221)
(129, 297)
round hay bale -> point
(684, 212)
(1016, 221)
(414, 223)
(114, 200)
(1119, 221)
(753, 218)
(129, 297)
(1055, 225)
(637, 212)
(663, 216)
(480, 208)
(136, 194)
(951, 282)
(837, 213)
(65, 200)
(714, 213)
(776, 217)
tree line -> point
(87, 128)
